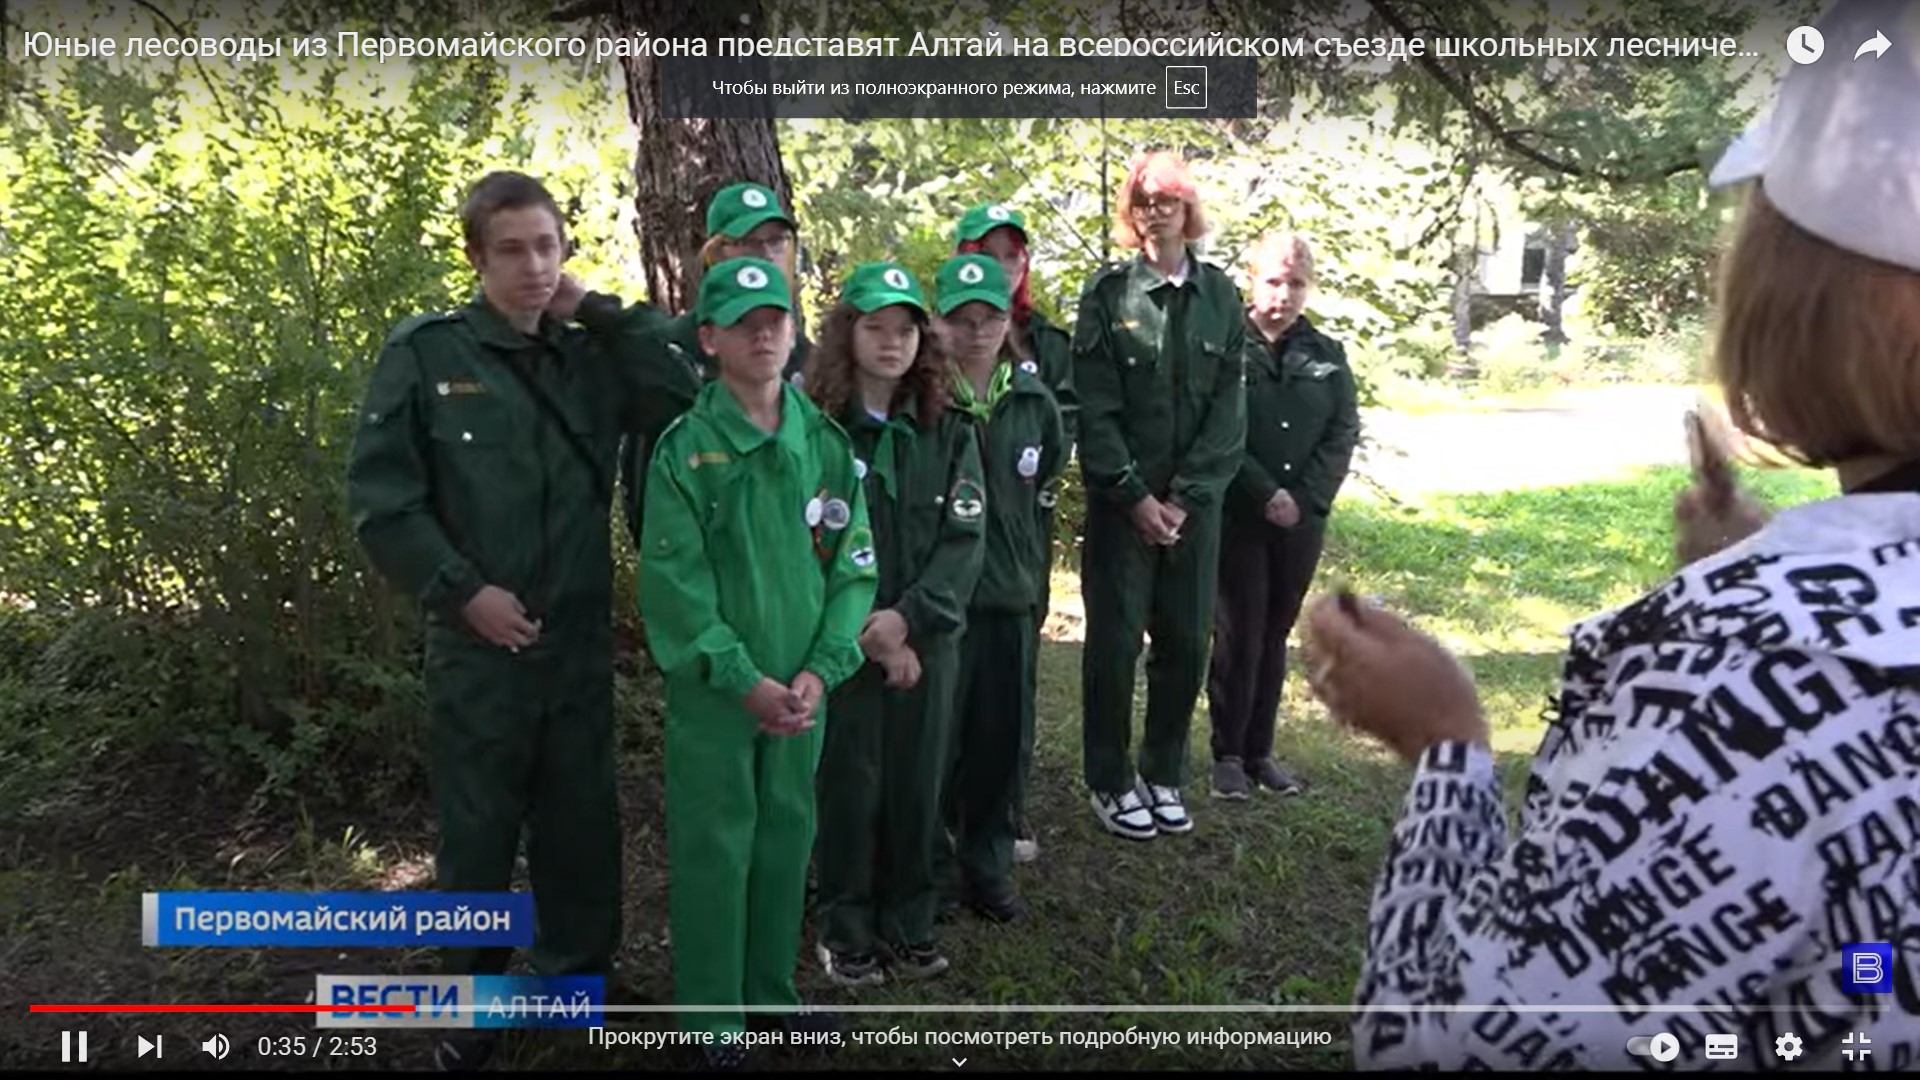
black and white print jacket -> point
(1728, 794)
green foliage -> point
(205, 270)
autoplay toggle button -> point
(1661, 1047)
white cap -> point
(1840, 153)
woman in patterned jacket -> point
(1716, 858)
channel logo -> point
(1868, 968)
(461, 1001)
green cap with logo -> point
(738, 208)
(873, 286)
(980, 220)
(734, 287)
(971, 277)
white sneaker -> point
(1169, 813)
(1025, 851)
(1124, 815)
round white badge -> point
(754, 198)
(816, 509)
(1029, 367)
(444, 389)
(1029, 466)
(838, 515)
(971, 274)
(859, 468)
(1047, 499)
(896, 278)
(751, 277)
(997, 213)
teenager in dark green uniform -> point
(1040, 348)
(756, 577)
(878, 371)
(1302, 423)
(480, 483)
(744, 220)
(1157, 363)
(1023, 451)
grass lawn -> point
(1264, 903)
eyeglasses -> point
(983, 325)
(1156, 205)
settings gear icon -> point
(1787, 1046)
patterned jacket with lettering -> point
(1728, 795)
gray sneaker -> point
(1269, 775)
(1230, 780)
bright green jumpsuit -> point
(757, 560)
(460, 479)
(1159, 373)
(885, 758)
(671, 348)
(1023, 452)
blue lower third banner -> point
(309, 920)
(462, 1001)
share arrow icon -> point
(1876, 45)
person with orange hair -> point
(1157, 362)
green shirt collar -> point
(1143, 276)
(997, 387)
(494, 329)
(744, 435)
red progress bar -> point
(342, 1007)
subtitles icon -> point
(1867, 968)
(1723, 1047)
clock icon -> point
(1805, 45)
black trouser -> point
(1264, 575)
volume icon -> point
(217, 1046)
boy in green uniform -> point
(480, 483)
(756, 576)
(1157, 362)
(1040, 348)
(1023, 451)
(744, 220)
(878, 371)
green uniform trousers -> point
(740, 821)
(879, 787)
(993, 733)
(528, 737)
(1131, 586)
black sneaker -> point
(1267, 774)
(464, 1051)
(852, 970)
(919, 961)
(727, 1056)
(1001, 908)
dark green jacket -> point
(670, 348)
(1023, 451)
(1158, 370)
(927, 503)
(1053, 353)
(1303, 419)
(458, 478)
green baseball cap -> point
(971, 277)
(873, 286)
(737, 208)
(980, 220)
(734, 287)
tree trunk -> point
(1553, 281)
(681, 163)
(1465, 261)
